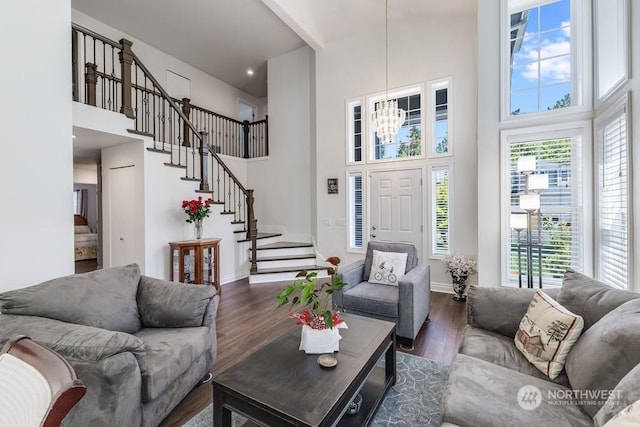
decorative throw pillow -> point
(387, 267)
(546, 334)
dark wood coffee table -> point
(279, 385)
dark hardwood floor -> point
(247, 320)
(86, 265)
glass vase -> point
(197, 229)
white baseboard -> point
(445, 288)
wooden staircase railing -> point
(132, 90)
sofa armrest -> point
(73, 342)
(500, 309)
(164, 304)
(351, 275)
(414, 300)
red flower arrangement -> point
(197, 209)
(315, 295)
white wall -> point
(206, 91)
(488, 143)
(420, 50)
(164, 219)
(281, 184)
(36, 179)
(85, 174)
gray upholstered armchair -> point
(405, 303)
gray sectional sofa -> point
(139, 344)
(601, 376)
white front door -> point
(396, 207)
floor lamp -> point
(529, 202)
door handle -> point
(373, 227)
(373, 236)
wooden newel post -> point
(186, 109)
(90, 80)
(245, 128)
(252, 232)
(126, 60)
(204, 152)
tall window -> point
(354, 131)
(441, 118)
(440, 210)
(541, 56)
(613, 244)
(408, 141)
(559, 224)
(355, 211)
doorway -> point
(246, 112)
(396, 207)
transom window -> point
(540, 56)
(408, 142)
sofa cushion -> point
(103, 299)
(481, 394)
(624, 394)
(590, 298)
(606, 352)
(372, 298)
(165, 304)
(169, 354)
(387, 267)
(546, 334)
(501, 350)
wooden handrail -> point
(95, 35)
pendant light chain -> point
(387, 119)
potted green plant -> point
(320, 322)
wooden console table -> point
(196, 261)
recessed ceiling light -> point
(73, 136)
(249, 72)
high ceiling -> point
(224, 38)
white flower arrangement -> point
(460, 265)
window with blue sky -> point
(540, 58)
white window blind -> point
(440, 210)
(613, 203)
(560, 224)
(354, 130)
(356, 210)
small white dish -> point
(327, 361)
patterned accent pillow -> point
(387, 267)
(546, 334)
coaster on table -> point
(327, 361)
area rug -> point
(413, 401)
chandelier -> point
(387, 119)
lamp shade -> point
(530, 202)
(538, 181)
(519, 221)
(526, 164)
